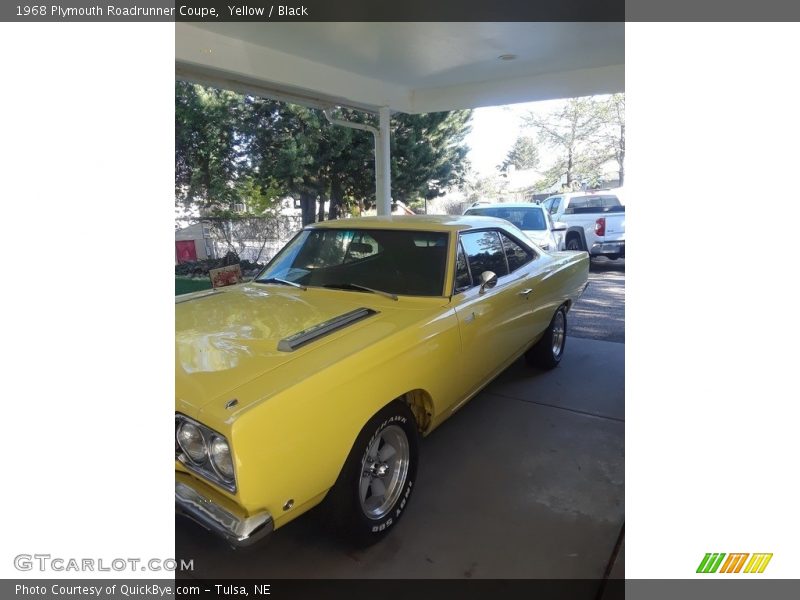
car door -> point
(496, 323)
(537, 287)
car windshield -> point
(527, 219)
(398, 262)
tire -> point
(373, 490)
(548, 351)
(574, 243)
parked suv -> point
(531, 218)
(595, 221)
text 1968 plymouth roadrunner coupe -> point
(315, 380)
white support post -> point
(383, 169)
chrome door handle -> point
(526, 293)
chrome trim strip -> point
(180, 299)
(239, 532)
(301, 338)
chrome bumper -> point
(615, 248)
(237, 531)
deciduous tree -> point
(573, 132)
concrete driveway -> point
(526, 481)
(600, 314)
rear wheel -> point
(574, 243)
(548, 351)
(374, 487)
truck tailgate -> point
(615, 225)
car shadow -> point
(602, 264)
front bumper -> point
(237, 529)
(608, 249)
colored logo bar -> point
(713, 562)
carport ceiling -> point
(409, 67)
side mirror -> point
(559, 226)
(488, 280)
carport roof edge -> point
(205, 55)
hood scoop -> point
(306, 336)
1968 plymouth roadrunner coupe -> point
(315, 380)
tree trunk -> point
(321, 209)
(336, 199)
(621, 155)
(569, 169)
(307, 206)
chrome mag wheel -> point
(384, 470)
(559, 332)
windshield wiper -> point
(363, 288)
(282, 282)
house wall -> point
(195, 233)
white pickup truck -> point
(595, 221)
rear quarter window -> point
(484, 253)
(516, 254)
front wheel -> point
(548, 351)
(375, 484)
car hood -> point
(538, 235)
(228, 337)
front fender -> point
(292, 446)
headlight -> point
(191, 441)
(221, 457)
(204, 451)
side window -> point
(484, 253)
(554, 206)
(463, 278)
(547, 204)
(516, 254)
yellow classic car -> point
(315, 380)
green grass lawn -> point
(184, 285)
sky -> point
(494, 130)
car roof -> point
(608, 192)
(413, 223)
(509, 205)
